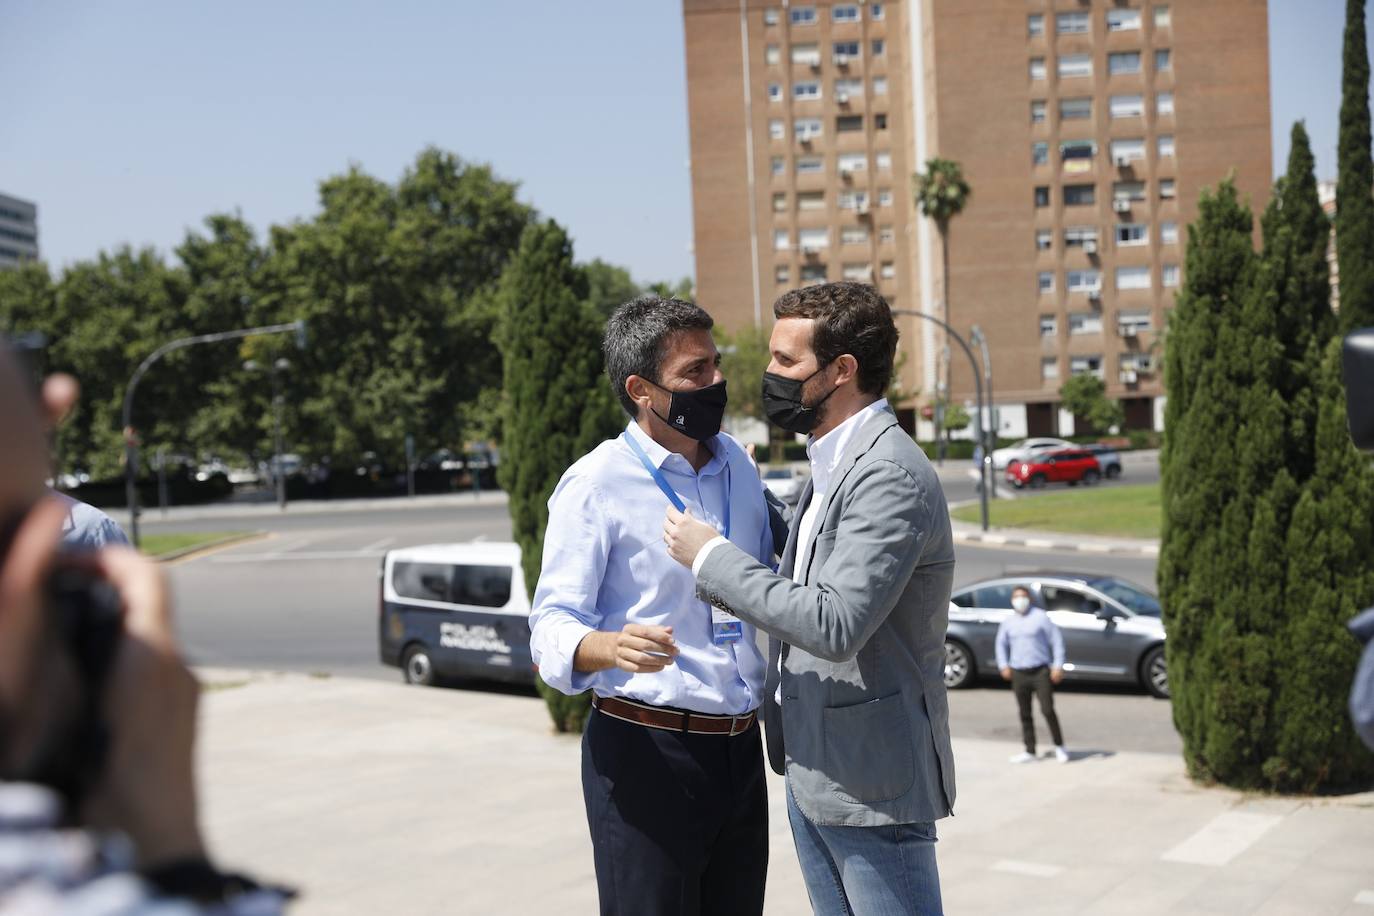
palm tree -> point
(942, 193)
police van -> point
(455, 610)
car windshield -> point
(777, 474)
(1133, 596)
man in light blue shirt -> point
(1030, 654)
(672, 762)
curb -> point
(208, 546)
(1039, 540)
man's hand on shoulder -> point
(638, 649)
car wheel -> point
(1090, 478)
(959, 669)
(1113, 471)
(418, 666)
(1038, 480)
(1154, 673)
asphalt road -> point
(304, 598)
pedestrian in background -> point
(1030, 654)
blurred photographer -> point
(97, 710)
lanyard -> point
(667, 489)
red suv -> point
(1065, 465)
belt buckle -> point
(734, 724)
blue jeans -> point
(867, 871)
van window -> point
(481, 586)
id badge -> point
(725, 627)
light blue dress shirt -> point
(1028, 641)
(605, 565)
(87, 528)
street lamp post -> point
(990, 430)
(978, 388)
(127, 414)
(278, 473)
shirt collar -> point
(825, 453)
(662, 458)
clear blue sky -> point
(130, 122)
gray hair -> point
(637, 337)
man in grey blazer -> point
(855, 706)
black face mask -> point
(697, 412)
(782, 402)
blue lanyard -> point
(667, 489)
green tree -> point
(557, 404)
(942, 193)
(683, 289)
(608, 286)
(1355, 178)
(1085, 395)
(744, 357)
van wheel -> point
(418, 667)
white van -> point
(455, 610)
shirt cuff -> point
(705, 551)
(556, 658)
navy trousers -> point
(679, 822)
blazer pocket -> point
(868, 753)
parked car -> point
(783, 482)
(1113, 630)
(1019, 451)
(1069, 465)
(1107, 457)
(455, 610)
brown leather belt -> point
(673, 720)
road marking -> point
(1037, 542)
(1033, 869)
(1095, 548)
(1223, 838)
(377, 545)
(1365, 898)
(994, 538)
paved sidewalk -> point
(153, 515)
(379, 798)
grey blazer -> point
(863, 732)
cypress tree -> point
(1355, 178)
(557, 406)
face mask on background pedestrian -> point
(1020, 603)
(697, 412)
(783, 402)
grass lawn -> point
(1129, 511)
(155, 545)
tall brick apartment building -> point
(1086, 128)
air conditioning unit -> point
(815, 63)
(1122, 162)
(842, 98)
(1144, 364)
(862, 208)
(811, 250)
(842, 60)
(1128, 377)
(1095, 296)
(847, 175)
(805, 139)
(1128, 330)
(1090, 247)
(1121, 205)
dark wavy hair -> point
(637, 336)
(850, 318)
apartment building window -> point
(776, 129)
(847, 123)
(1037, 68)
(1077, 156)
(782, 240)
(1128, 190)
(882, 162)
(853, 200)
(1129, 324)
(1164, 61)
(806, 91)
(813, 239)
(1167, 189)
(1162, 19)
(880, 121)
(875, 11)
(1072, 23)
(1040, 153)
(884, 197)
(1133, 278)
(807, 128)
(1170, 276)
(1044, 239)
(1038, 111)
(1168, 233)
(811, 274)
(1078, 195)
(1049, 325)
(880, 85)
(1078, 236)
(847, 13)
(779, 202)
(1128, 235)
(861, 273)
(772, 54)
(1045, 281)
(878, 47)
(845, 51)
(1166, 146)
(1124, 151)
(810, 165)
(782, 274)
(1085, 323)
(1127, 106)
(854, 235)
(1049, 369)
(803, 15)
(806, 54)
(1042, 196)
(811, 200)
(848, 88)
(886, 236)
(1071, 65)
(770, 16)
(774, 92)
(1085, 281)
(1123, 20)
(778, 165)
(1085, 365)
(848, 163)
(1123, 63)
(1035, 25)
(887, 270)
(1164, 103)
(1075, 109)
